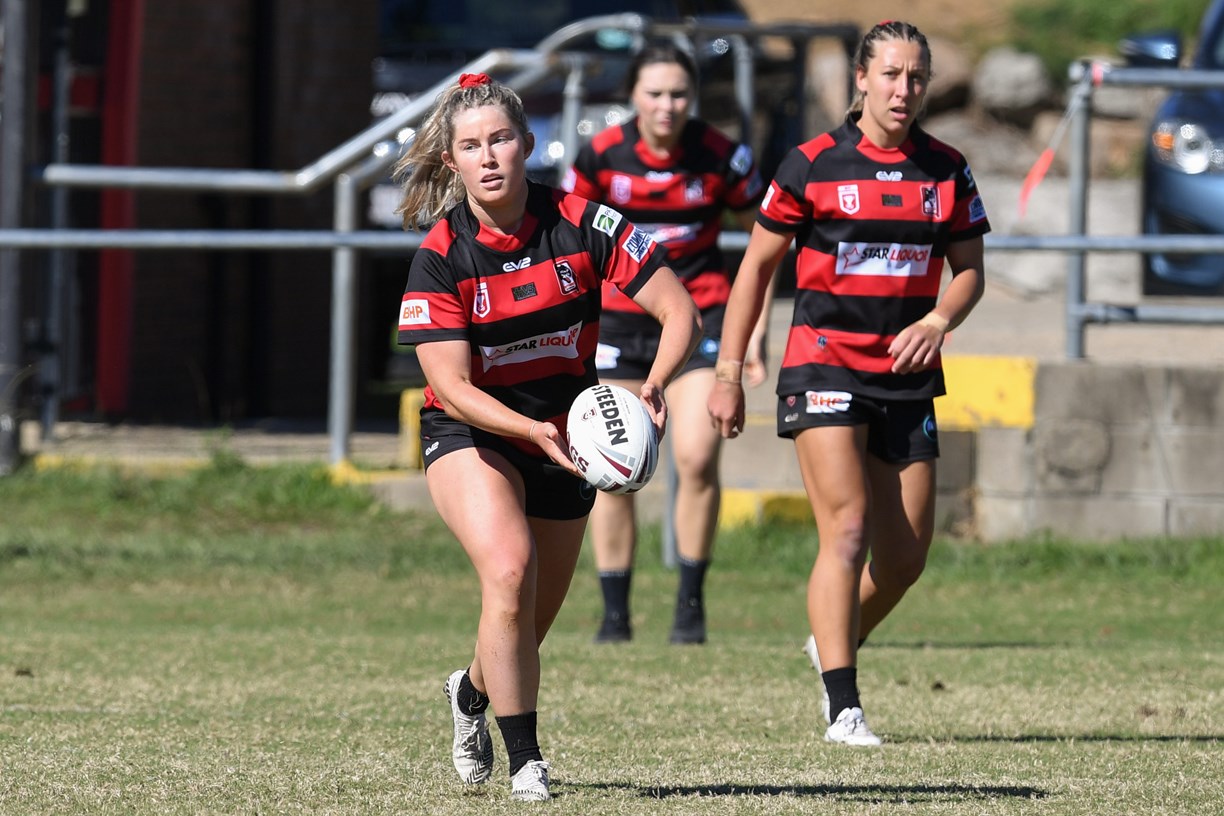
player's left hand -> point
(656, 406)
(548, 437)
(756, 366)
(915, 348)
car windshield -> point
(478, 25)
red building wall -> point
(241, 84)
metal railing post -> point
(344, 283)
(13, 148)
(574, 96)
(1081, 123)
(745, 90)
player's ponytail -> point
(430, 187)
(881, 32)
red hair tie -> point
(472, 80)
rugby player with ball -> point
(503, 306)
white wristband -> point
(934, 321)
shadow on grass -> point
(865, 793)
(992, 644)
(1022, 738)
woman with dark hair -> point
(502, 304)
(675, 177)
(877, 208)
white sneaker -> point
(472, 750)
(851, 729)
(530, 784)
(809, 649)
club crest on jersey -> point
(565, 277)
(481, 306)
(606, 220)
(848, 198)
(930, 200)
(694, 191)
(622, 189)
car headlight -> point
(1188, 146)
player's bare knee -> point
(899, 574)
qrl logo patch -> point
(481, 306)
(622, 189)
(848, 198)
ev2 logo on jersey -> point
(512, 266)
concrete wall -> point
(1077, 450)
(1114, 451)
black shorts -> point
(898, 431)
(552, 492)
(629, 355)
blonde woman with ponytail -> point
(502, 304)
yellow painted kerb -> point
(987, 391)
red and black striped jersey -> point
(872, 229)
(528, 304)
(678, 199)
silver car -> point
(1183, 165)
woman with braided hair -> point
(877, 208)
(503, 306)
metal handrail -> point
(1086, 76)
(308, 179)
(313, 240)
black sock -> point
(519, 733)
(692, 582)
(470, 700)
(615, 585)
(842, 685)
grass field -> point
(257, 641)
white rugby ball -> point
(612, 439)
